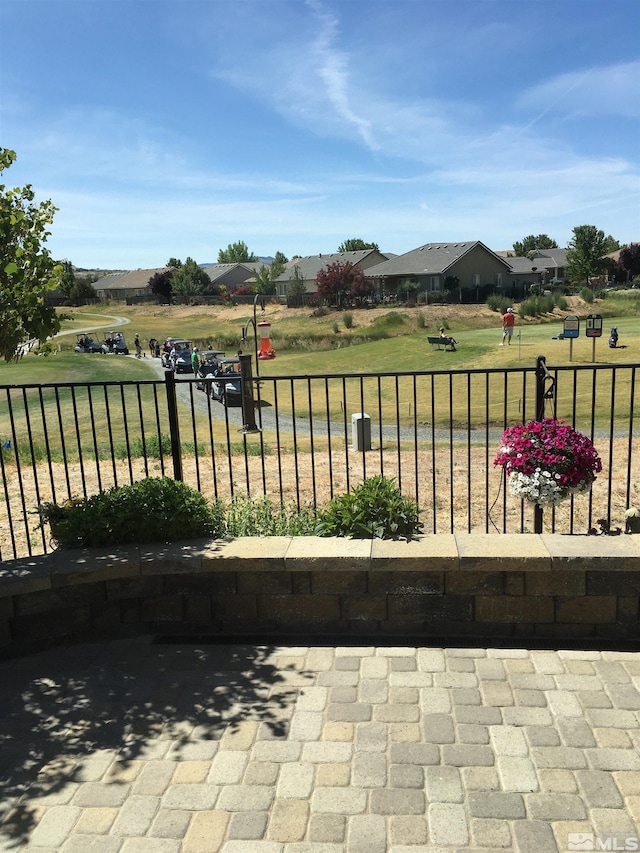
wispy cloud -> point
(597, 91)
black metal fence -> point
(311, 438)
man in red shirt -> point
(508, 320)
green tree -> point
(189, 281)
(296, 287)
(27, 271)
(279, 264)
(355, 244)
(531, 243)
(264, 280)
(236, 253)
(586, 250)
(174, 262)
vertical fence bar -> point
(174, 428)
(541, 373)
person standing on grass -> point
(508, 321)
(138, 345)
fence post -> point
(174, 426)
(541, 375)
(248, 405)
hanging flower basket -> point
(547, 461)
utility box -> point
(361, 431)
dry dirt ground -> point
(300, 479)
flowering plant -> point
(547, 461)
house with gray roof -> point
(309, 267)
(476, 268)
(123, 286)
(233, 276)
(553, 262)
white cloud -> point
(597, 91)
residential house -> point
(433, 267)
(233, 276)
(127, 286)
(552, 264)
(309, 267)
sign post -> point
(571, 331)
(593, 329)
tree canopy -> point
(160, 282)
(531, 243)
(628, 266)
(586, 250)
(189, 280)
(337, 281)
(27, 271)
(236, 253)
(355, 244)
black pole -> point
(248, 406)
(174, 426)
(541, 375)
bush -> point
(536, 305)
(348, 320)
(151, 510)
(375, 509)
(498, 303)
(244, 516)
(587, 294)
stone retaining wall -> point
(547, 587)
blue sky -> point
(174, 128)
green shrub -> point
(244, 516)
(498, 303)
(534, 306)
(420, 320)
(348, 320)
(151, 510)
(335, 328)
(587, 294)
(375, 509)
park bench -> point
(439, 342)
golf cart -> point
(209, 363)
(115, 344)
(87, 344)
(178, 358)
(226, 384)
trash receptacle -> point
(361, 431)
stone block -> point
(528, 609)
(334, 583)
(331, 553)
(474, 583)
(556, 583)
(422, 553)
(592, 553)
(30, 574)
(485, 552)
(613, 583)
(589, 609)
(88, 565)
(253, 554)
(299, 608)
(403, 583)
(368, 608)
(163, 608)
(267, 583)
(238, 608)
